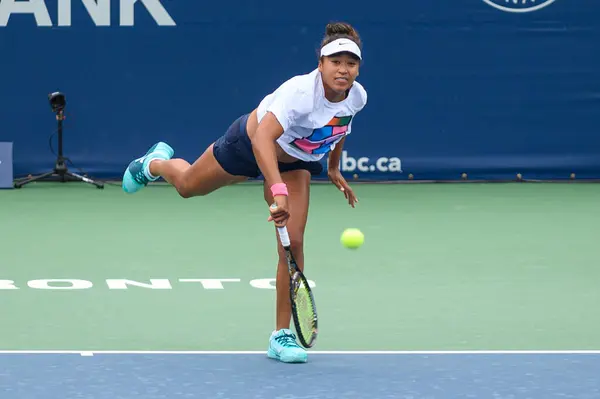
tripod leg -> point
(60, 168)
(85, 179)
(32, 179)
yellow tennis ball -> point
(352, 238)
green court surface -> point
(444, 267)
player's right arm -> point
(263, 144)
(264, 148)
(289, 105)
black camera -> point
(57, 101)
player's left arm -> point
(333, 169)
(334, 174)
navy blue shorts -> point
(234, 153)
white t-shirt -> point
(312, 125)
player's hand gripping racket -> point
(304, 311)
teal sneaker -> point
(137, 175)
(283, 347)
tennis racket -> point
(304, 311)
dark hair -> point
(340, 30)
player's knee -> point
(187, 190)
(297, 244)
(184, 191)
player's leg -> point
(219, 165)
(283, 344)
(201, 178)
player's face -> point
(339, 71)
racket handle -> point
(283, 236)
(283, 233)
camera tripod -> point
(60, 168)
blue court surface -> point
(327, 375)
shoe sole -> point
(163, 147)
(273, 355)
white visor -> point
(341, 45)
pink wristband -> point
(279, 189)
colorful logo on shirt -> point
(321, 140)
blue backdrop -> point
(454, 86)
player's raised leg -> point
(190, 180)
(282, 344)
(201, 178)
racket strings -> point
(306, 311)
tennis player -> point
(283, 139)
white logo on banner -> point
(366, 164)
(99, 11)
(519, 5)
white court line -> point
(416, 352)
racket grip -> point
(283, 236)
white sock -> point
(152, 156)
(149, 175)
